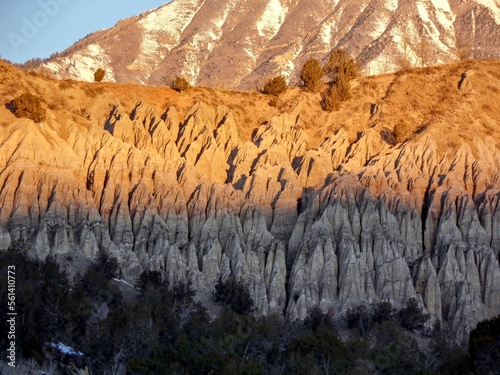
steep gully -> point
(343, 224)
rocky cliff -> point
(238, 43)
(333, 220)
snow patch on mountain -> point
(391, 5)
(221, 20)
(180, 38)
(287, 60)
(380, 26)
(329, 24)
(326, 32)
(444, 19)
(249, 50)
(191, 68)
(444, 15)
(272, 19)
(172, 18)
(378, 64)
(84, 63)
(202, 44)
(162, 30)
(330, 32)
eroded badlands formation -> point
(336, 226)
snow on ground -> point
(493, 6)
(287, 60)
(123, 282)
(272, 19)
(377, 66)
(172, 18)
(221, 20)
(206, 39)
(326, 33)
(162, 30)
(444, 14)
(65, 349)
(380, 26)
(191, 68)
(329, 27)
(249, 50)
(83, 64)
(391, 5)
(444, 17)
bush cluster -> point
(341, 66)
(161, 330)
(363, 317)
(402, 131)
(180, 84)
(311, 74)
(484, 347)
(29, 106)
(332, 101)
(99, 75)
(233, 294)
(275, 86)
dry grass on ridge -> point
(428, 99)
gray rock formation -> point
(343, 224)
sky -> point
(38, 28)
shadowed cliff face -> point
(336, 225)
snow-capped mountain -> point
(238, 43)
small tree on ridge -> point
(180, 84)
(275, 86)
(99, 75)
(341, 68)
(311, 74)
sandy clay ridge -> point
(307, 208)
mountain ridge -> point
(239, 43)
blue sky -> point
(38, 28)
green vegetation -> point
(311, 74)
(412, 316)
(99, 75)
(363, 318)
(484, 347)
(234, 295)
(160, 329)
(275, 86)
(341, 68)
(180, 84)
(29, 106)
(332, 101)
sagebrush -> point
(29, 106)
(311, 74)
(180, 84)
(99, 75)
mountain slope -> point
(237, 43)
(306, 208)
